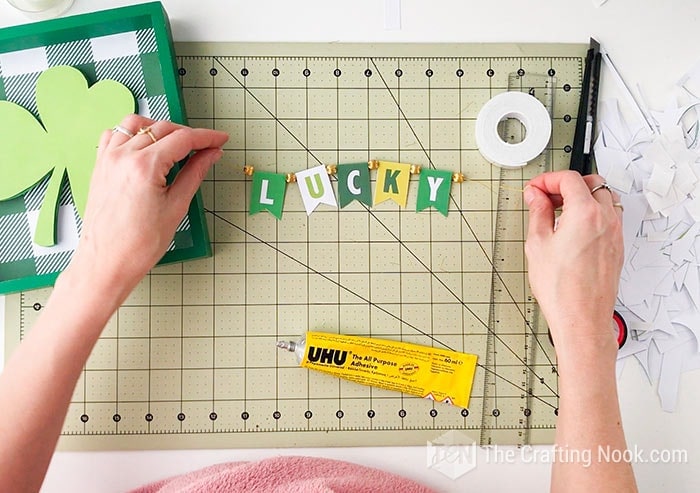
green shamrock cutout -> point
(73, 116)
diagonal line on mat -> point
(399, 241)
(366, 300)
(481, 246)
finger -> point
(130, 124)
(133, 122)
(603, 196)
(568, 184)
(617, 206)
(104, 142)
(557, 201)
(178, 144)
(147, 135)
(190, 178)
(618, 210)
(615, 196)
(121, 135)
(541, 219)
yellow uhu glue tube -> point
(437, 374)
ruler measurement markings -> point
(511, 132)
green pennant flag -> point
(434, 190)
(354, 184)
(268, 193)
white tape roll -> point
(523, 107)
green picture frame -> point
(83, 28)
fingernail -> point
(218, 155)
(528, 195)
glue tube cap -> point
(297, 347)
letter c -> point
(354, 189)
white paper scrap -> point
(671, 365)
(693, 208)
(660, 180)
(679, 275)
(692, 285)
(654, 163)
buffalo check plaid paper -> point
(131, 45)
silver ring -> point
(598, 187)
(619, 206)
(122, 130)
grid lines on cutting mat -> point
(193, 348)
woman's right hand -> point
(575, 261)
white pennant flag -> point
(315, 188)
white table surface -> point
(653, 42)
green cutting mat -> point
(190, 359)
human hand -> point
(574, 267)
(131, 213)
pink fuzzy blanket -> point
(286, 475)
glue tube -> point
(432, 373)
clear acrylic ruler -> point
(518, 349)
(190, 359)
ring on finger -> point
(619, 206)
(122, 130)
(601, 186)
(147, 131)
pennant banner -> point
(315, 188)
(268, 193)
(392, 182)
(434, 190)
(354, 184)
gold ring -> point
(122, 130)
(598, 187)
(619, 206)
(147, 131)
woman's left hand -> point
(132, 213)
